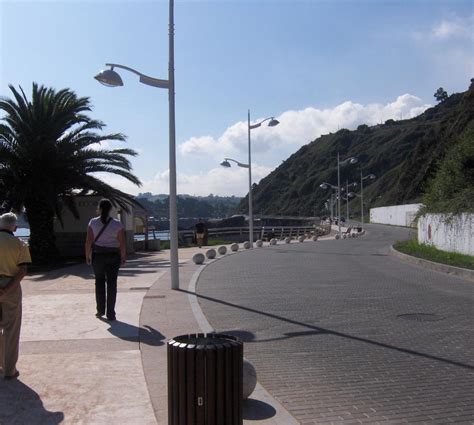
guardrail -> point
(263, 232)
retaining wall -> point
(448, 232)
(397, 215)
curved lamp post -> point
(111, 78)
(272, 122)
(349, 195)
(370, 177)
(327, 186)
(350, 160)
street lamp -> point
(348, 195)
(111, 78)
(272, 122)
(327, 186)
(350, 160)
(370, 177)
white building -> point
(71, 236)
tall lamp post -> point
(111, 78)
(350, 160)
(370, 177)
(272, 123)
(348, 195)
(326, 185)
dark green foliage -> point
(47, 157)
(402, 156)
(452, 188)
(441, 95)
(192, 206)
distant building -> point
(71, 236)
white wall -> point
(398, 215)
(447, 232)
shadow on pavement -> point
(257, 410)
(249, 337)
(330, 332)
(19, 404)
(144, 335)
(137, 264)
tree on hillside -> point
(441, 95)
(47, 156)
(452, 188)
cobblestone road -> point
(343, 333)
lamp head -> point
(273, 122)
(109, 78)
(353, 160)
(371, 176)
(351, 194)
(323, 186)
(225, 163)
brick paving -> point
(340, 332)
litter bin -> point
(205, 380)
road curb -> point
(443, 268)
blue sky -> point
(315, 65)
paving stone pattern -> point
(341, 332)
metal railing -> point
(263, 232)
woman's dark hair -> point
(105, 206)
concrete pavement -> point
(77, 369)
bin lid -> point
(206, 339)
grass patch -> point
(427, 252)
(211, 242)
(214, 242)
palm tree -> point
(49, 154)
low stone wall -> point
(447, 232)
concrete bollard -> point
(198, 258)
(247, 245)
(259, 243)
(301, 238)
(211, 254)
(234, 247)
(222, 250)
(249, 379)
(273, 241)
(288, 240)
(337, 236)
(315, 238)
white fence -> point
(398, 215)
(447, 232)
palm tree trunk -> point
(42, 239)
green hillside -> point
(402, 154)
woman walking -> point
(105, 250)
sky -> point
(315, 65)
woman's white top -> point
(109, 236)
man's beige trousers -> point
(10, 324)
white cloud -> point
(219, 181)
(449, 29)
(298, 128)
(453, 29)
(269, 146)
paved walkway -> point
(77, 369)
(341, 332)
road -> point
(342, 332)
